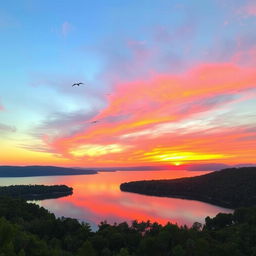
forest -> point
(27, 229)
(36, 192)
(231, 188)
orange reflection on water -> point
(98, 197)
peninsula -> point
(231, 188)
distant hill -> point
(232, 188)
(28, 171)
(188, 167)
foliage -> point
(234, 187)
(27, 229)
(33, 192)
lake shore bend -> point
(230, 188)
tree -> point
(86, 249)
(197, 226)
(106, 252)
(178, 251)
(123, 252)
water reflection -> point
(98, 197)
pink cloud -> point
(146, 104)
(245, 57)
(247, 10)
(250, 9)
(160, 112)
(1, 107)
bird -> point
(94, 122)
(78, 84)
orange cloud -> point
(171, 118)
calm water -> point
(98, 197)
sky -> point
(165, 82)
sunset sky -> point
(166, 82)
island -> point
(30, 171)
(231, 188)
(36, 192)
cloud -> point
(1, 107)
(248, 10)
(59, 124)
(96, 150)
(156, 114)
(164, 49)
(246, 56)
(66, 28)
(150, 114)
(66, 123)
(7, 128)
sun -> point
(177, 163)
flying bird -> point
(94, 122)
(78, 84)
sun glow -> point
(184, 156)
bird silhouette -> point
(78, 84)
(94, 122)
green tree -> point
(178, 251)
(106, 252)
(123, 252)
(87, 249)
(22, 253)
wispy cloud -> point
(66, 28)
(95, 150)
(248, 10)
(7, 128)
(145, 116)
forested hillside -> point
(27, 229)
(233, 187)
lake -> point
(97, 198)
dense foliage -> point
(27, 229)
(29, 171)
(33, 192)
(234, 187)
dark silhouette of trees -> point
(27, 229)
(36, 192)
(233, 188)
